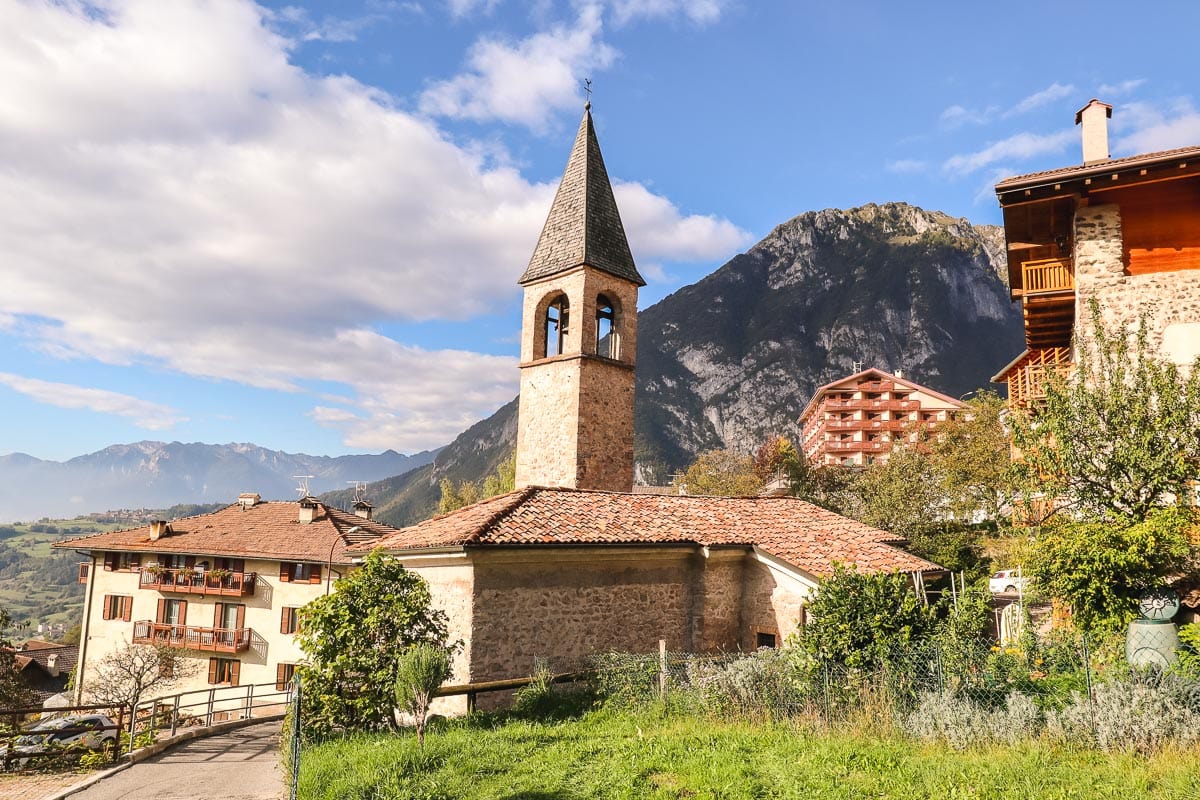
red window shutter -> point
(212, 670)
(217, 607)
(110, 562)
(162, 610)
(108, 598)
(237, 565)
(315, 575)
(283, 620)
(280, 677)
(241, 616)
(183, 612)
(235, 672)
(285, 571)
(128, 610)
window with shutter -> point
(109, 605)
(213, 666)
(314, 575)
(285, 571)
(110, 562)
(283, 676)
(127, 608)
(288, 622)
(235, 672)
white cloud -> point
(524, 82)
(700, 12)
(906, 166)
(464, 8)
(1118, 89)
(1146, 128)
(1018, 146)
(144, 414)
(1051, 94)
(657, 230)
(176, 193)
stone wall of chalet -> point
(1171, 299)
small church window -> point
(557, 320)
(606, 332)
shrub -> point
(960, 723)
(420, 672)
(1131, 715)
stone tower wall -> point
(575, 424)
(1171, 299)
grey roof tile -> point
(584, 225)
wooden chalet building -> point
(1123, 231)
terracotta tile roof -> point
(1101, 168)
(265, 530)
(799, 533)
(584, 225)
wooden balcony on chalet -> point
(1047, 295)
(876, 386)
(1028, 376)
(191, 637)
(192, 581)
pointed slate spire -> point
(584, 226)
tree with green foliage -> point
(1120, 437)
(1100, 569)
(859, 619)
(721, 473)
(460, 495)
(354, 639)
(14, 693)
(420, 672)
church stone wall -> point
(717, 600)
(773, 601)
(451, 582)
(566, 604)
(1171, 299)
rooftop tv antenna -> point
(360, 491)
(858, 365)
(302, 489)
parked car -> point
(80, 732)
(1008, 581)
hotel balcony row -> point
(831, 404)
(191, 637)
(187, 580)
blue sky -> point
(300, 224)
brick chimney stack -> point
(1094, 119)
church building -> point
(572, 562)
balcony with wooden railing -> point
(853, 446)
(193, 581)
(1027, 379)
(191, 637)
(1047, 276)
(872, 405)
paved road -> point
(240, 765)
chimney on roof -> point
(1094, 119)
(362, 508)
(248, 500)
(158, 529)
(52, 665)
(308, 509)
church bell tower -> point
(579, 336)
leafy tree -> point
(420, 672)
(13, 691)
(721, 472)
(1100, 569)
(970, 459)
(132, 672)
(1118, 439)
(460, 495)
(859, 619)
(354, 639)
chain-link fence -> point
(961, 691)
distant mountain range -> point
(733, 358)
(161, 474)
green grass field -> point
(608, 754)
(39, 584)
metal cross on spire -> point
(587, 88)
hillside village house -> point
(854, 421)
(1124, 231)
(569, 564)
(573, 562)
(223, 587)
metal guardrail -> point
(203, 707)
